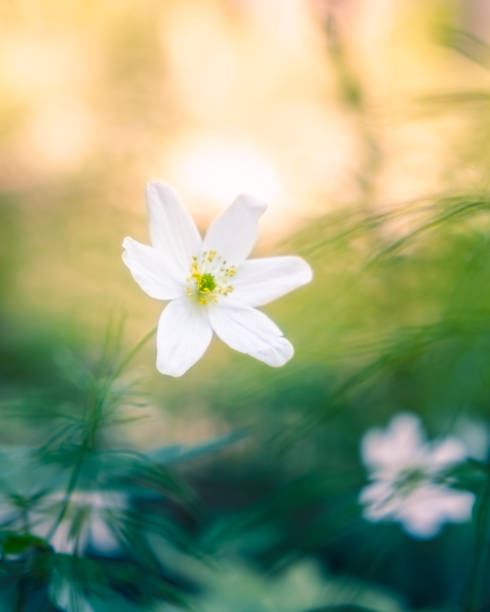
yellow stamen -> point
(209, 278)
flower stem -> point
(134, 351)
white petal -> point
(420, 524)
(259, 281)
(454, 505)
(183, 336)
(424, 511)
(457, 505)
(250, 331)
(146, 264)
(407, 436)
(233, 233)
(430, 506)
(420, 513)
(447, 452)
(400, 446)
(172, 229)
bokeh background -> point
(365, 124)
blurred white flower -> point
(210, 285)
(407, 478)
(90, 520)
(65, 594)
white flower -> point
(89, 521)
(407, 478)
(210, 285)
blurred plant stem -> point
(72, 483)
(352, 95)
(132, 353)
(478, 581)
(94, 419)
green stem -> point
(72, 483)
(134, 351)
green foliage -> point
(301, 588)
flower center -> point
(210, 277)
(206, 283)
(410, 479)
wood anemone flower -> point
(210, 283)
